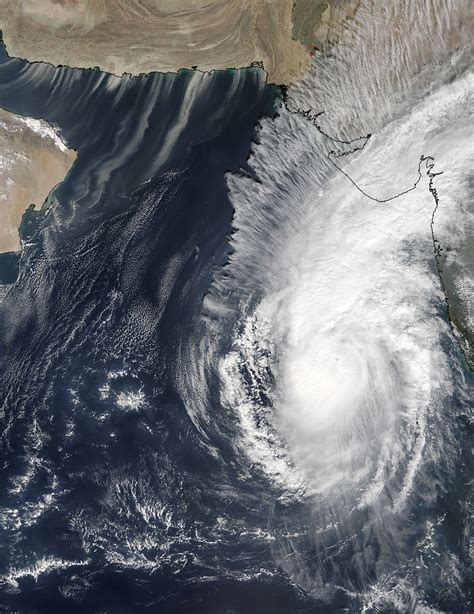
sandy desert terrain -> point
(137, 36)
(33, 159)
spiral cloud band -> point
(342, 368)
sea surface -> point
(228, 377)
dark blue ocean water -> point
(111, 497)
(124, 500)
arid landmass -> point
(319, 23)
(33, 159)
(137, 36)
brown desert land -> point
(136, 36)
(33, 159)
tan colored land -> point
(33, 160)
(137, 36)
(140, 36)
(319, 23)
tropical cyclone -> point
(33, 159)
(136, 36)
